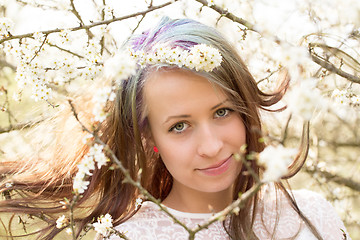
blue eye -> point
(179, 127)
(222, 112)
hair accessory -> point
(200, 57)
(156, 149)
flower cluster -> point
(276, 161)
(138, 203)
(87, 164)
(119, 67)
(103, 225)
(6, 24)
(100, 98)
(345, 97)
(61, 222)
(305, 99)
(201, 57)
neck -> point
(193, 201)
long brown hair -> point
(125, 131)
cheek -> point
(176, 153)
(236, 132)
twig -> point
(229, 15)
(230, 208)
(72, 222)
(65, 50)
(77, 15)
(334, 177)
(137, 26)
(19, 126)
(331, 67)
(37, 51)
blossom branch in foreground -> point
(128, 178)
(232, 208)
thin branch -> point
(268, 76)
(65, 50)
(39, 49)
(229, 15)
(106, 22)
(230, 208)
(77, 15)
(334, 177)
(19, 126)
(332, 68)
(137, 26)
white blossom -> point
(97, 153)
(100, 98)
(304, 99)
(138, 203)
(355, 100)
(201, 57)
(68, 231)
(80, 184)
(103, 225)
(120, 67)
(6, 25)
(276, 161)
(87, 165)
(61, 222)
(340, 96)
(205, 57)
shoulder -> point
(142, 224)
(149, 223)
(321, 214)
(277, 212)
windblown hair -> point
(126, 130)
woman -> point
(181, 120)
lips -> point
(217, 168)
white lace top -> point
(149, 223)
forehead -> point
(179, 90)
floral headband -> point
(200, 57)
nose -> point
(209, 141)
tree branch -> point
(331, 67)
(229, 15)
(348, 182)
(85, 27)
(19, 126)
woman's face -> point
(195, 129)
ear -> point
(147, 138)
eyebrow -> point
(187, 115)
